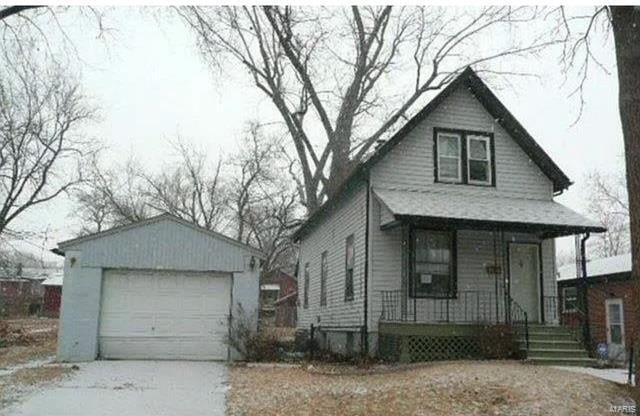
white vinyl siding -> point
(410, 164)
(346, 218)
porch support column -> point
(404, 276)
(586, 330)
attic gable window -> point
(464, 157)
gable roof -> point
(62, 246)
(468, 79)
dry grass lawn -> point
(40, 341)
(448, 388)
(38, 375)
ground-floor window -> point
(615, 321)
(433, 264)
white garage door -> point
(164, 315)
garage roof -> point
(162, 217)
(163, 242)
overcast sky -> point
(151, 85)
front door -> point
(524, 278)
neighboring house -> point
(449, 224)
(21, 290)
(52, 296)
(161, 288)
(611, 302)
(278, 295)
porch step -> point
(557, 353)
(551, 336)
(577, 362)
(548, 329)
(554, 345)
(550, 344)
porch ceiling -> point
(445, 209)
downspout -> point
(365, 327)
(586, 331)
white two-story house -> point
(448, 227)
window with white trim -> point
(479, 160)
(449, 157)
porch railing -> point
(467, 306)
(519, 320)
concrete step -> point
(578, 361)
(551, 344)
(545, 336)
(557, 353)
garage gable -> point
(163, 242)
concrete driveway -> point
(132, 388)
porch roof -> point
(458, 210)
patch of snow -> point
(617, 375)
(132, 388)
(598, 267)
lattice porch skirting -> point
(411, 342)
(416, 348)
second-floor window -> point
(349, 264)
(463, 156)
(449, 157)
(324, 270)
(479, 159)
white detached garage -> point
(162, 288)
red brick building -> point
(52, 296)
(611, 302)
(278, 296)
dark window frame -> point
(564, 300)
(349, 268)
(464, 156)
(324, 271)
(453, 265)
(305, 298)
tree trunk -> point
(626, 31)
(340, 163)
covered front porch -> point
(461, 273)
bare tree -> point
(623, 22)
(253, 170)
(249, 193)
(111, 197)
(607, 200)
(347, 67)
(261, 196)
(190, 189)
(42, 149)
